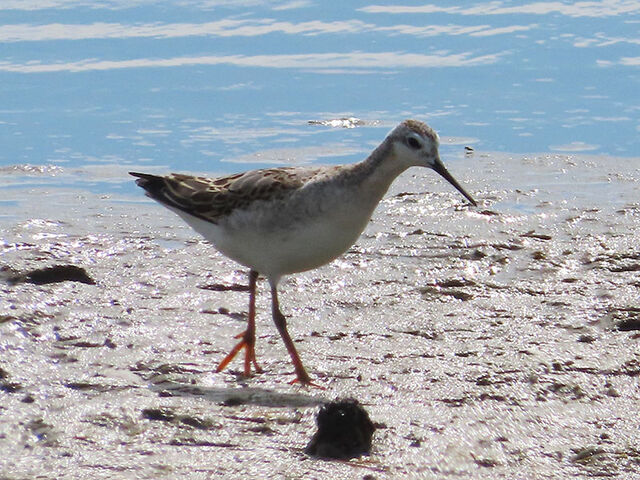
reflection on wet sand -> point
(499, 342)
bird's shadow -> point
(233, 396)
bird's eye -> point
(413, 143)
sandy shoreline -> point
(485, 343)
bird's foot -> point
(303, 378)
(248, 343)
(306, 382)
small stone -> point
(586, 339)
(344, 431)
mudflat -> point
(493, 342)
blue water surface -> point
(222, 86)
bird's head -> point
(415, 143)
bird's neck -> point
(378, 171)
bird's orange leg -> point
(248, 337)
(281, 324)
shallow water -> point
(222, 86)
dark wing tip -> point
(145, 176)
(153, 184)
(168, 191)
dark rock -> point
(10, 387)
(195, 422)
(344, 431)
(55, 274)
(233, 401)
(219, 287)
(629, 324)
(162, 414)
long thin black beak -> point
(439, 167)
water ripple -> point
(320, 62)
(604, 8)
(25, 32)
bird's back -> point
(276, 221)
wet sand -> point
(492, 342)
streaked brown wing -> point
(212, 198)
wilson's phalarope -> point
(278, 221)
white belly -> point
(288, 238)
